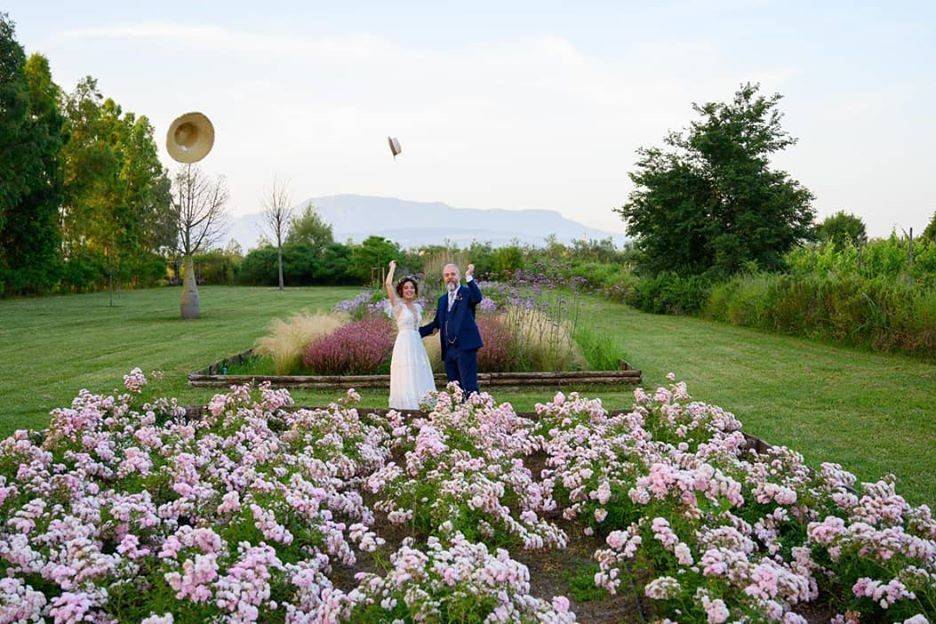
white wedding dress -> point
(410, 372)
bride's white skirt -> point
(410, 372)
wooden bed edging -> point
(214, 377)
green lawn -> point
(872, 413)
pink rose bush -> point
(132, 511)
(729, 533)
(463, 466)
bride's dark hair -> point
(399, 285)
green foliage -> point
(875, 312)
(117, 194)
(710, 201)
(506, 261)
(309, 227)
(841, 228)
(15, 162)
(217, 266)
(581, 580)
(893, 257)
(670, 293)
(31, 138)
(600, 353)
(303, 265)
(371, 257)
(930, 232)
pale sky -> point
(512, 105)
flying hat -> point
(394, 146)
(190, 137)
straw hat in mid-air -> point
(190, 137)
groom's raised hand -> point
(469, 272)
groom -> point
(455, 320)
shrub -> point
(303, 265)
(881, 313)
(495, 357)
(217, 267)
(891, 257)
(739, 301)
(285, 341)
(669, 293)
(357, 348)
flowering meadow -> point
(133, 510)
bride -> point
(410, 373)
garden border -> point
(215, 376)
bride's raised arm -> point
(391, 292)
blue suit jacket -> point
(458, 330)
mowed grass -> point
(873, 413)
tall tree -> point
(199, 209)
(117, 212)
(277, 214)
(15, 162)
(842, 227)
(369, 259)
(309, 227)
(710, 201)
(31, 139)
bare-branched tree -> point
(277, 214)
(199, 205)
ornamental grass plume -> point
(285, 340)
(541, 343)
(358, 348)
(434, 351)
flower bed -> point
(129, 511)
(532, 332)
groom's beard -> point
(450, 286)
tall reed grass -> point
(285, 340)
(881, 313)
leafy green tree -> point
(371, 257)
(335, 267)
(841, 228)
(31, 138)
(710, 201)
(507, 260)
(15, 162)
(309, 227)
(117, 207)
(930, 231)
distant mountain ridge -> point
(412, 223)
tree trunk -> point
(190, 301)
(280, 249)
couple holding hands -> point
(411, 376)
